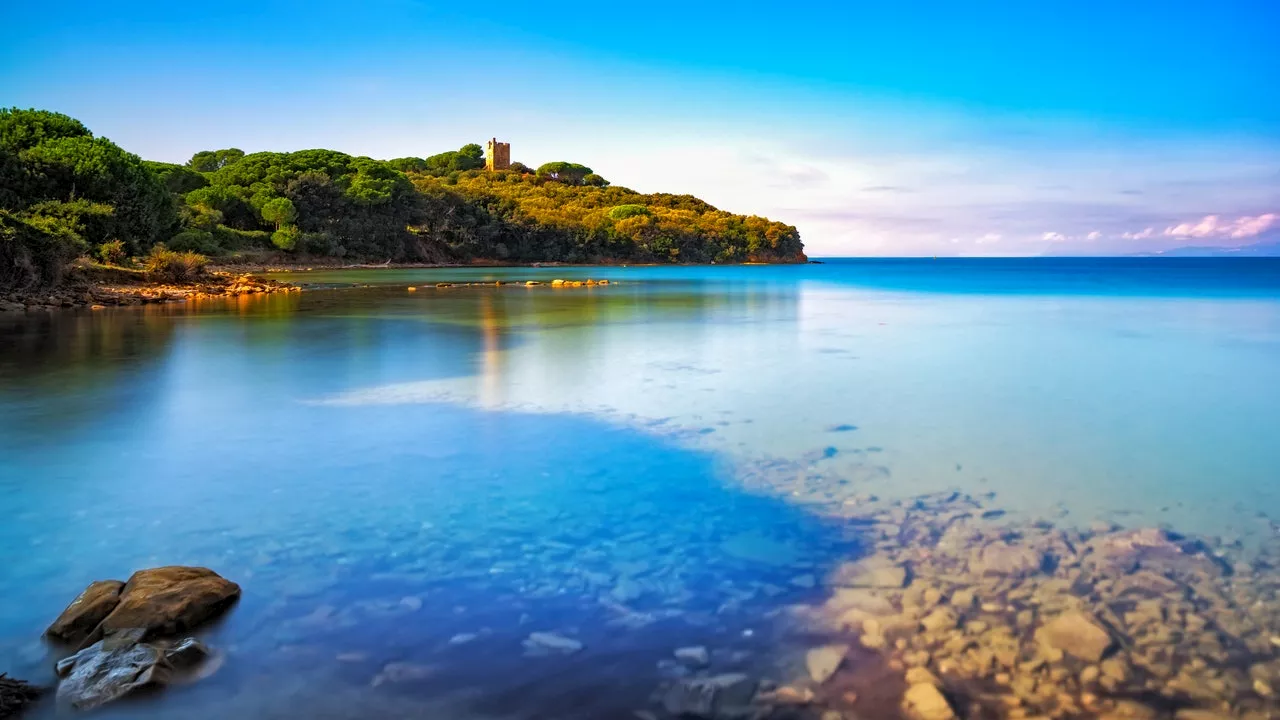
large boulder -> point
(86, 612)
(170, 600)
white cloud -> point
(1140, 235)
(1213, 226)
(1053, 237)
(1093, 235)
(988, 238)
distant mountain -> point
(1262, 249)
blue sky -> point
(909, 128)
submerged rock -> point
(823, 662)
(718, 697)
(1076, 634)
(545, 642)
(1000, 558)
(86, 612)
(876, 571)
(694, 656)
(924, 701)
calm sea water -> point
(423, 479)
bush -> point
(196, 241)
(112, 252)
(34, 251)
(286, 238)
(165, 265)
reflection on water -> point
(409, 484)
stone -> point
(401, 673)
(822, 662)
(788, 695)
(187, 654)
(1001, 558)
(105, 672)
(86, 612)
(544, 642)
(921, 676)
(1077, 634)
(760, 549)
(720, 696)
(924, 701)
(1197, 714)
(942, 619)
(15, 695)
(865, 599)
(169, 600)
(873, 572)
(693, 656)
(962, 600)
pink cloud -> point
(1140, 235)
(1212, 226)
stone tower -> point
(497, 155)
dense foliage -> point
(65, 193)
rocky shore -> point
(129, 289)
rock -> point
(107, 671)
(720, 696)
(788, 695)
(864, 599)
(756, 548)
(402, 672)
(187, 654)
(921, 676)
(962, 600)
(873, 572)
(1076, 634)
(822, 662)
(16, 695)
(169, 600)
(627, 590)
(942, 619)
(805, 581)
(1195, 714)
(1001, 558)
(86, 612)
(545, 642)
(694, 656)
(924, 701)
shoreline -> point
(99, 288)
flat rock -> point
(170, 600)
(874, 572)
(1076, 634)
(693, 656)
(718, 697)
(86, 612)
(760, 549)
(923, 701)
(822, 662)
(105, 672)
(546, 642)
(1001, 558)
(868, 600)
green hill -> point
(65, 193)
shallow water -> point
(383, 471)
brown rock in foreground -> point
(170, 600)
(86, 612)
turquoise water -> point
(384, 471)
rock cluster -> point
(991, 618)
(103, 294)
(130, 633)
(15, 695)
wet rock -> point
(876, 571)
(16, 695)
(1076, 634)
(187, 654)
(924, 701)
(545, 642)
(1195, 714)
(788, 695)
(168, 600)
(718, 697)
(1001, 558)
(940, 620)
(822, 662)
(108, 670)
(401, 673)
(694, 656)
(86, 612)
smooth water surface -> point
(422, 479)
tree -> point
(519, 167)
(565, 172)
(594, 180)
(279, 211)
(208, 161)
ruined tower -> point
(497, 155)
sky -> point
(1094, 127)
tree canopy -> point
(65, 192)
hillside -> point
(65, 193)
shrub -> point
(196, 241)
(286, 238)
(112, 252)
(165, 265)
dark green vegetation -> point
(65, 193)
